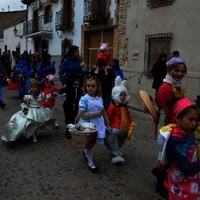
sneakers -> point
(56, 125)
(117, 160)
(34, 139)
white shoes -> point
(56, 125)
(34, 138)
(117, 160)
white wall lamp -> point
(15, 33)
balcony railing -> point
(96, 17)
(41, 24)
(95, 11)
(64, 19)
(156, 3)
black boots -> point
(160, 187)
(2, 105)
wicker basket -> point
(83, 139)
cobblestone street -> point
(52, 169)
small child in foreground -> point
(120, 121)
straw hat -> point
(149, 104)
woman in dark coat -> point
(159, 71)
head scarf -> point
(174, 60)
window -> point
(156, 3)
(155, 44)
(47, 14)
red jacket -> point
(164, 95)
(119, 117)
(107, 57)
(50, 102)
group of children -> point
(37, 111)
(83, 105)
(177, 168)
(177, 176)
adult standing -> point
(117, 70)
(46, 67)
(24, 70)
(2, 78)
(176, 53)
(159, 71)
(70, 65)
(106, 76)
(13, 60)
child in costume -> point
(171, 88)
(120, 121)
(91, 110)
(179, 150)
(49, 88)
(73, 94)
(105, 54)
(31, 117)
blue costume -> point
(117, 70)
(25, 70)
(70, 66)
(46, 67)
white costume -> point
(120, 121)
(37, 117)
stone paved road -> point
(53, 170)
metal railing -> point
(95, 11)
(39, 24)
(64, 19)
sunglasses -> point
(122, 95)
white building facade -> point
(137, 33)
(14, 42)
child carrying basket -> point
(91, 110)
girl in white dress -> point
(91, 110)
(31, 116)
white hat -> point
(118, 89)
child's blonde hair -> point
(93, 78)
(36, 84)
